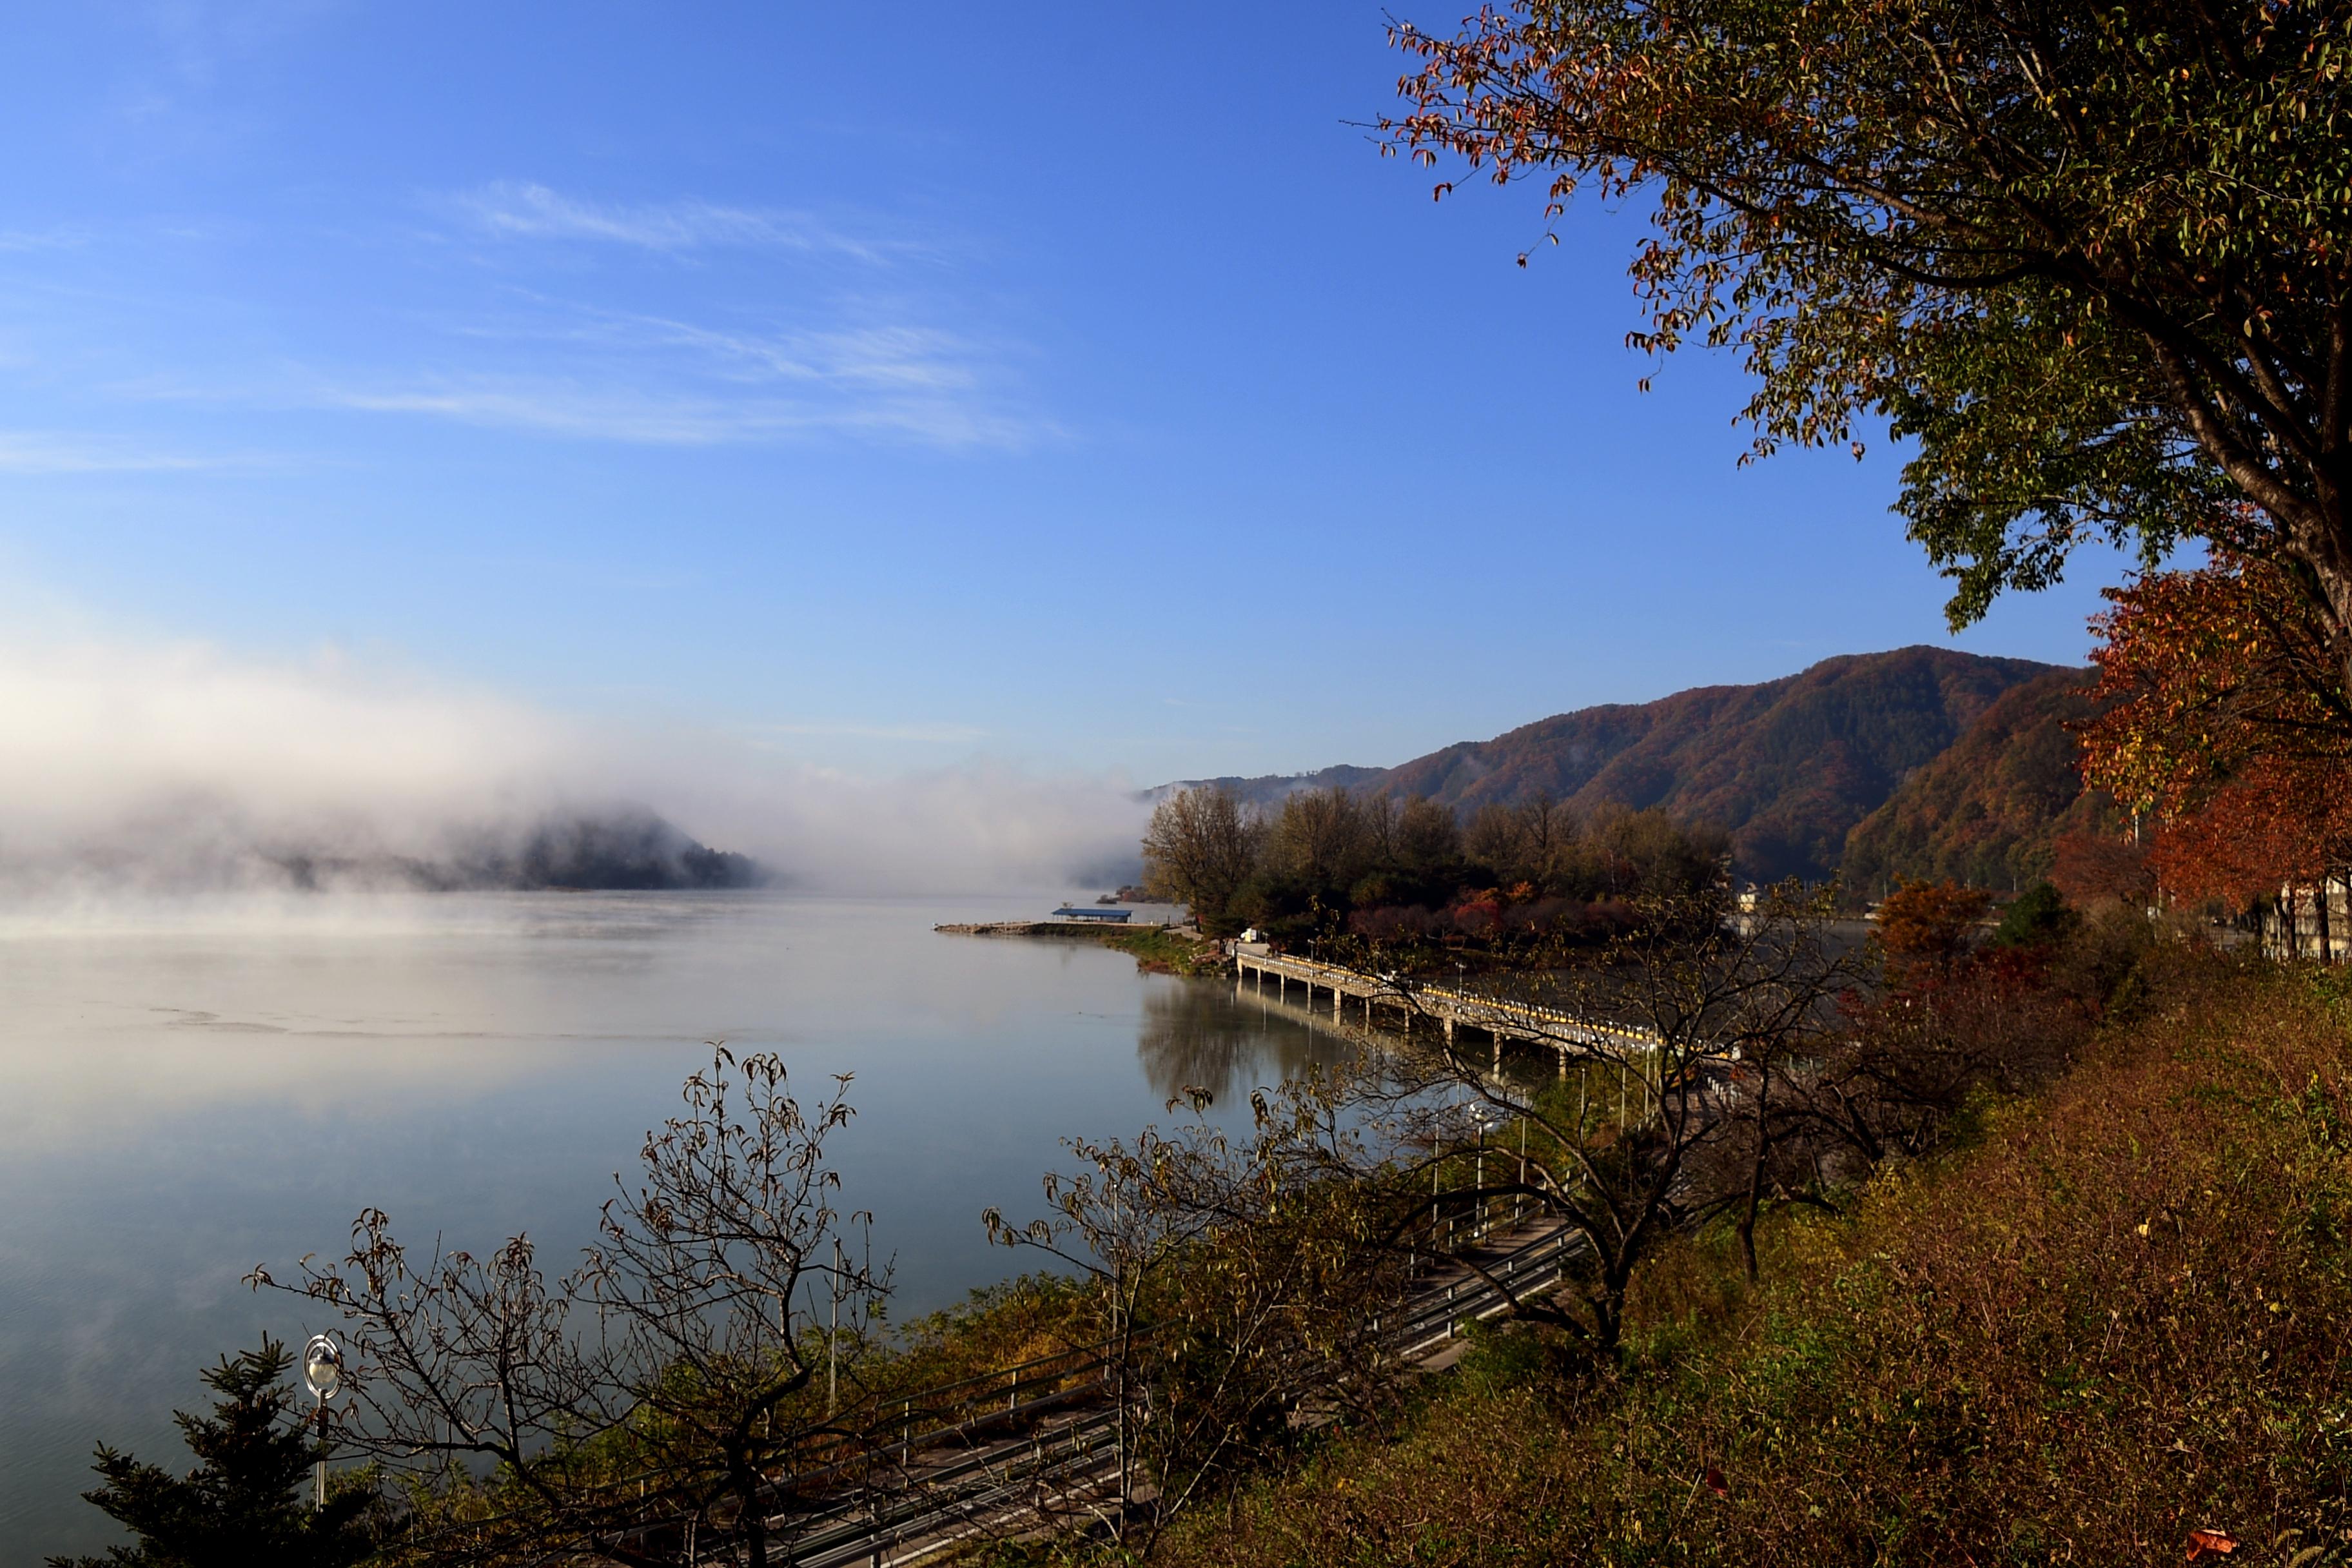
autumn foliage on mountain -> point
(2226, 721)
(1787, 767)
(1993, 809)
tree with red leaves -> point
(2089, 868)
(2227, 725)
(1924, 927)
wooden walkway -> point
(1447, 1007)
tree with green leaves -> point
(2093, 260)
(2037, 918)
(244, 1504)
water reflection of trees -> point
(1198, 1035)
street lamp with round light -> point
(322, 1371)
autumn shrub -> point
(1024, 1318)
(2113, 1319)
(1927, 927)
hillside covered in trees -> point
(1787, 768)
(1992, 809)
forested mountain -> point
(1990, 809)
(1788, 766)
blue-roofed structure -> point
(1109, 917)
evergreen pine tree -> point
(2040, 916)
(243, 1505)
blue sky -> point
(1071, 388)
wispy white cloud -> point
(195, 40)
(613, 410)
(766, 736)
(896, 356)
(511, 209)
(583, 374)
(692, 358)
(53, 452)
(60, 238)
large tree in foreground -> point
(2092, 258)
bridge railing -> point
(1463, 1006)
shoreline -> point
(1156, 948)
(1044, 928)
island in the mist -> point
(624, 849)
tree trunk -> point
(2335, 576)
(1756, 1173)
(1123, 1393)
(1609, 1309)
(754, 1525)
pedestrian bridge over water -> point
(1450, 1008)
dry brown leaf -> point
(2216, 1543)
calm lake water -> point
(187, 1094)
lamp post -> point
(322, 1371)
(1516, 1197)
(1478, 1170)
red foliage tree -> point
(2227, 723)
(1926, 926)
(2099, 868)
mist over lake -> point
(194, 1089)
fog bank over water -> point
(129, 770)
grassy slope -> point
(2116, 1316)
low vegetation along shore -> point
(1157, 950)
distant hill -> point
(1788, 766)
(629, 849)
(1991, 807)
